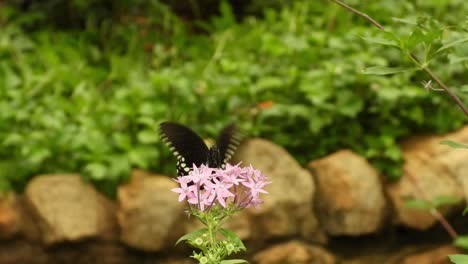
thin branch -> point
(218, 51)
(447, 90)
(359, 13)
(412, 55)
(443, 221)
(433, 211)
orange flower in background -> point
(148, 47)
(140, 20)
(265, 104)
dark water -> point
(391, 245)
(388, 246)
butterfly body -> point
(190, 149)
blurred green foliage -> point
(89, 98)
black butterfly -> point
(189, 148)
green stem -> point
(211, 231)
(213, 227)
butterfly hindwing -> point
(185, 144)
(228, 141)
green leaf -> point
(381, 41)
(418, 204)
(455, 59)
(122, 140)
(453, 144)
(97, 171)
(404, 21)
(268, 82)
(147, 136)
(38, 155)
(459, 259)
(12, 139)
(231, 236)
(414, 39)
(445, 200)
(384, 70)
(465, 211)
(192, 235)
(462, 241)
(4, 185)
(233, 261)
(385, 38)
(452, 44)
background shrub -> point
(87, 94)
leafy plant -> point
(459, 258)
(213, 196)
(453, 144)
(434, 204)
(90, 100)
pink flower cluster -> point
(204, 187)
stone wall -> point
(62, 219)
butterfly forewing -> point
(228, 141)
(185, 144)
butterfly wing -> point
(228, 141)
(185, 144)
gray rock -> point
(68, 209)
(350, 198)
(15, 218)
(149, 215)
(288, 208)
(455, 160)
(436, 255)
(294, 252)
(10, 221)
(431, 171)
